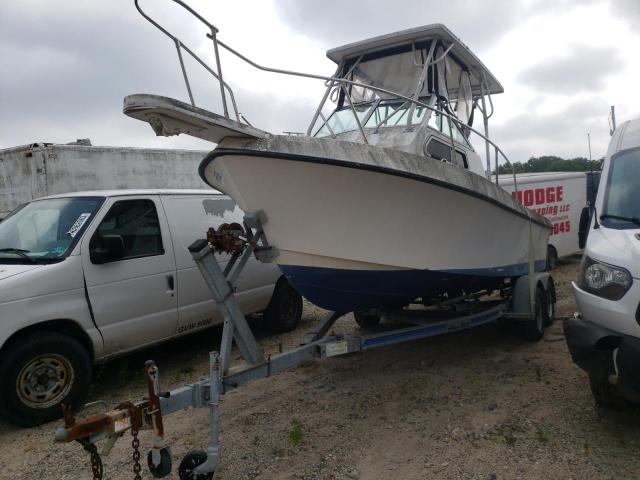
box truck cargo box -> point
(559, 196)
(40, 169)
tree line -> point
(550, 163)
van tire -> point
(44, 354)
(285, 308)
(606, 395)
(532, 330)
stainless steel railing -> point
(329, 82)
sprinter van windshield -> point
(45, 230)
(622, 197)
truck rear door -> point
(133, 296)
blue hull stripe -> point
(348, 290)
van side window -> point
(136, 222)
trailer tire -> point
(190, 461)
(366, 320)
(551, 303)
(552, 258)
(606, 395)
(533, 329)
(285, 308)
(40, 372)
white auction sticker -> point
(82, 219)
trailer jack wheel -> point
(190, 461)
(164, 467)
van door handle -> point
(171, 285)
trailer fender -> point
(521, 302)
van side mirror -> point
(583, 227)
(109, 249)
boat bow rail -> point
(442, 49)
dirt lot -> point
(477, 404)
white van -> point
(604, 337)
(87, 276)
(559, 196)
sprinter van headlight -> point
(604, 280)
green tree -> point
(551, 163)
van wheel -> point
(285, 308)
(40, 372)
(552, 258)
(606, 395)
(533, 329)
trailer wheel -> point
(533, 329)
(164, 468)
(285, 308)
(606, 395)
(552, 258)
(190, 461)
(366, 320)
(40, 372)
(551, 302)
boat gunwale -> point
(224, 151)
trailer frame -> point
(417, 323)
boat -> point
(385, 200)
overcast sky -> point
(66, 66)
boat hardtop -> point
(416, 39)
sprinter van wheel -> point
(533, 329)
(366, 319)
(285, 308)
(40, 372)
(606, 395)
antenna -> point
(589, 141)
(612, 120)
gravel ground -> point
(476, 404)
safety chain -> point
(96, 461)
(135, 443)
(135, 414)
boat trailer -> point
(242, 242)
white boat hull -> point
(350, 237)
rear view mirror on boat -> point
(583, 227)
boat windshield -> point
(622, 197)
(45, 230)
(388, 113)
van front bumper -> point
(606, 355)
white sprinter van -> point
(87, 276)
(604, 337)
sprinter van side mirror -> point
(107, 248)
(583, 227)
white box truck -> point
(559, 196)
(40, 169)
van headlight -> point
(604, 280)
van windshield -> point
(622, 197)
(45, 230)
